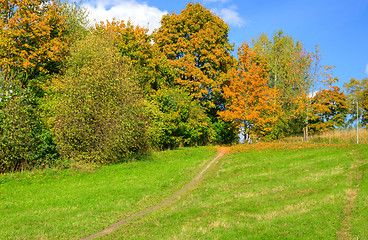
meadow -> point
(259, 191)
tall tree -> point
(197, 45)
(250, 102)
(134, 42)
(33, 45)
(288, 65)
(320, 79)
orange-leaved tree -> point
(196, 43)
(330, 110)
(250, 102)
(32, 39)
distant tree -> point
(197, 45)
(364, 105)
(330, 108)
(250, 102)
(99, 113)
(355, 91)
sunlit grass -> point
(256, 191)
(268, 193)
(70, 204)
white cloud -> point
(140, 14)
(231, 16)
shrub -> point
(24, 140)
(99, 114)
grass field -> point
(69, 204)
(262, 191)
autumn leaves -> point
(73, 85)
(250, 102)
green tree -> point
(183, 121)
(355, 91)
(288, 65)
(76, 19)
(99, 113)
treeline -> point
(75, 93)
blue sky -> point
(340, 28)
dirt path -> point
(181, 192)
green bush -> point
(98, 112)
(24, 141)
(183, 121)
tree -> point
(32, 41)
(355, 91)
(196, 43)
(33, 46)
(183, 121)
(99, 113)
(319, 76)
(288, 65)
(152, 67)
(76, 19)
(364, 105)
(250, 102)
(330, 108)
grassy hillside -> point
(288, 191)
(73, 204)
(261, 191)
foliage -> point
(250, 102)
(356, 96)
(99, 114)
(184, 122)
(330, 109)
(32, 40)
(288, 65)
(196, 43)
(24, 141)
(153, 70)
(76, 19)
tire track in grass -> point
(354, 180)
(184, 190)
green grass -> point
(66, 204)
(266, 191)
(296, 193)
